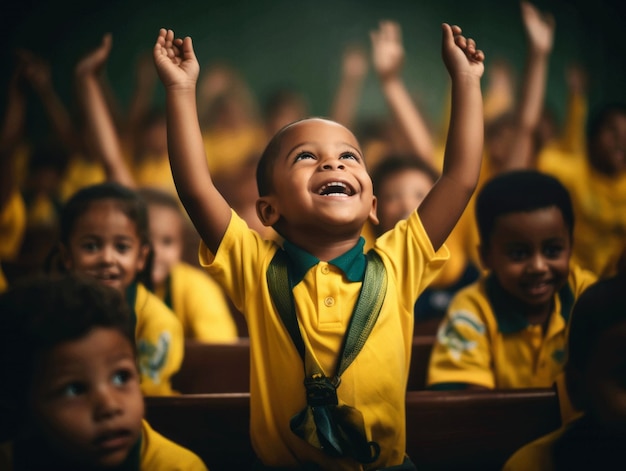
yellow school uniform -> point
(485, 340)
(80, 173)
(200, 304)
(12, 227)
(228, 151)
(375, 383)
(156, 453)
(599, 209)
(536, 455)
(159, 338)
(155, 172)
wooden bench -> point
(445, 430)
(222, 368)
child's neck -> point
(323, 246)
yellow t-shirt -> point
(155, 172)
(161, 454)
(375, 383)
(80, 173)
(200, 304)
(160, 343)
(599, 210)
(157, 454)
(229, 151)
(536, 455)
(12, 227)
(484, 340)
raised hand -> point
(175, 61)
(354, 63)
(460, 54)
(35, 70)
(94, 61)
(539, 27)
(387, 49)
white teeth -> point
(334, 184)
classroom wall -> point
(275, 42)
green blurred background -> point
(299, 43)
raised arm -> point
(38, 74)
(539, 29)
(388, 59)
(353, 71)
(178, 69)
(101, 134)
(446, 201)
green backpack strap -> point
(338, 430)
(363, 318)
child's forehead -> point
(317, 130)
(531, 220)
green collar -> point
(509, 311)
(352, 263)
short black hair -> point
(396, 163)
(39, 313)
(599, 308)
(520, 191)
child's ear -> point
(373, 217)
(267, 210)
(143, 257)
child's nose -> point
(108, 254)
(332, 164)
(538, 263)
(106, 403)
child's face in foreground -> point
(529, 254)
(105, 245)
(320, 180)
(603, 384)
(86, 400)
(399, 195)
(166, 233)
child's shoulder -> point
(159, 453)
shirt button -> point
(329, 301)
(325, 270)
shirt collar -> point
(509, 311)
(351, 263)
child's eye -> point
(123, 247)
(304, 155)
(553, 251)
(89, 246)
(73, 389)
(517, 254)
(121, 377)
(349, 155)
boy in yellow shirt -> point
(595, 382)
(74, 401)
(508, 329)
(316, 193)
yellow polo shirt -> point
(599, 209)
(375, 383)
(156, 453)
(200, 304)
(485, 339)
(12, 227)
(159, 339)
(536, 455)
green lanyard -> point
(338, 430)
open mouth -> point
(335, 189)
(113, 440)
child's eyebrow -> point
(338, 145)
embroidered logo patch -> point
(559, 356)
(451, 334)
(152, 357)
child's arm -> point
(178, 69)
(100, 130)
(448, 198)
(145, 84)
(540, 35)
(37, 73)
(388, 59)
(573, 136)
(354, 69)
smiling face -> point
(86, 400)
(529, 254)
(104, 244)
(320, 183)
